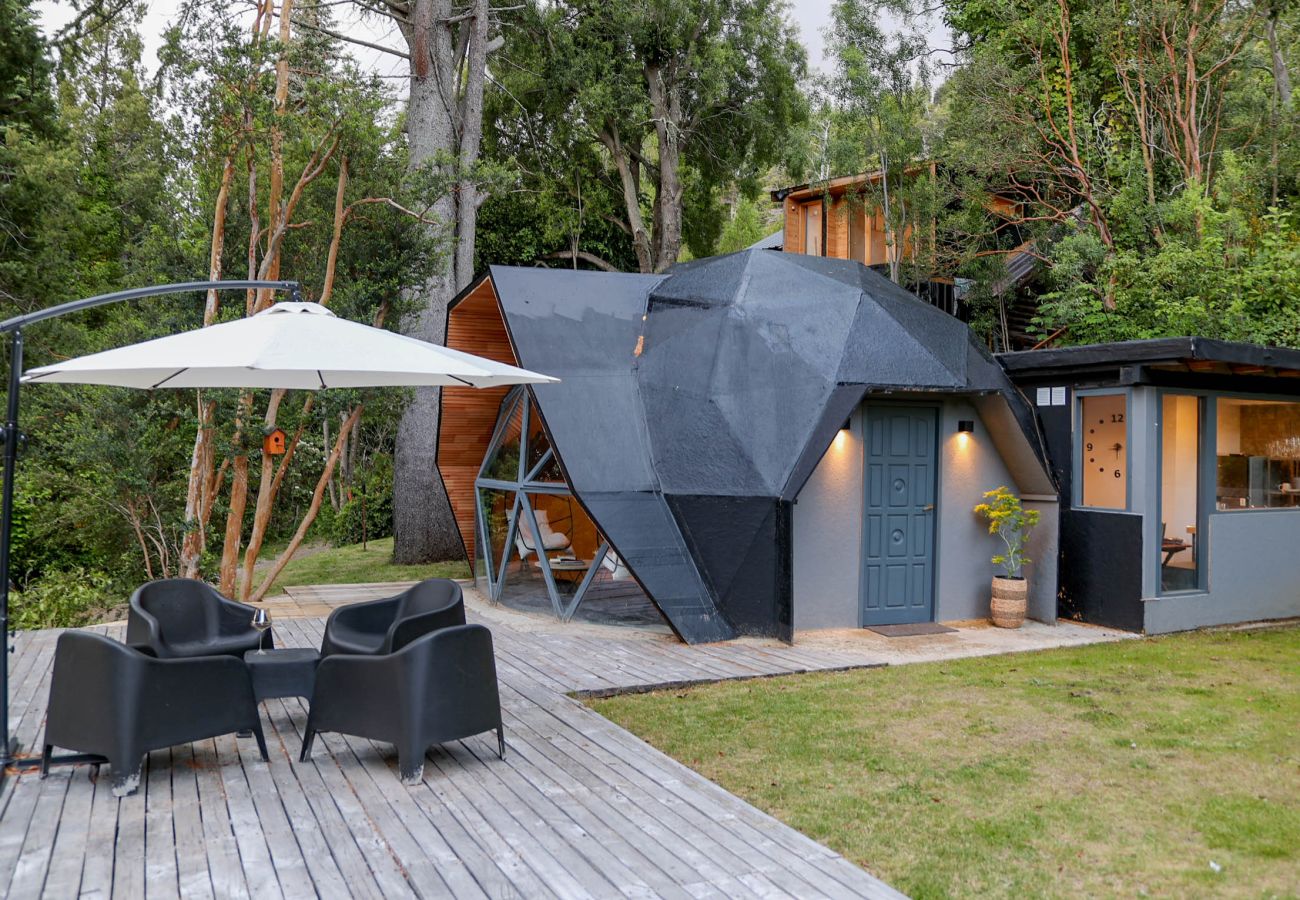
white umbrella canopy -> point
(299, 346)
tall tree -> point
(673, 100)
(446, 48)
(879, 96)
(304, 126)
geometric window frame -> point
(519, 399)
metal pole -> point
(6, 533)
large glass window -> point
(1103, 454)
(1258, 450)
(1180, 467)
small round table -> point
(287, 672)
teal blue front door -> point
(898, 534)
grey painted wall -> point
(828, 529)
(1252, 574)
(828, 536)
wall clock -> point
(1102, 420)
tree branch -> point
(584, 256)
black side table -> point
(288, 672)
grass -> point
(1164, 767)
(352, 565)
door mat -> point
(911, 630)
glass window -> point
(1258, 450)
(1104, 453)
(1180, 467)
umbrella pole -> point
(11, 439)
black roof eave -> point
(1156, 350)
(469, 288)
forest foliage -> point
(1150, 146)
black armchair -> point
(181, 617)
(114, 701)
(440, 687)
(383, 626)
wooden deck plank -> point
(160, 871)
(68, 850)
(228, 878)
(393, 827)
(316, 816)
(671, 860)
(128, 848)
(600, 859)
(187, 826)
(17, 821)
(254, 835)
(97, 873)
(34, 860)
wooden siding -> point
(793, 238)
(468, 415)
(840, 209)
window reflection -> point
(1258, 449)
(1180, 466)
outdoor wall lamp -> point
(965, 426)
(848, 425)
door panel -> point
(898, 534)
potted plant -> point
(1011, 522)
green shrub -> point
(64, 598)
(374, 497)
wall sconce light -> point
(848, 424)
(966, 426)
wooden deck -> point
(578, 808)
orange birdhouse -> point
(273, 442)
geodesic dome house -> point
(761, 441)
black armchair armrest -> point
(142, 626)
(370, 615)
(407, 629)
(373, 617)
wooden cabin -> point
(843, 218)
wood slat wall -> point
(468, 415)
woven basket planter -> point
(1010, 600)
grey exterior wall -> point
(827, 525)
(827, 539)
(1252, 574)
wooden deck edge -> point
(606, 693)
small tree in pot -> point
(1011, 522)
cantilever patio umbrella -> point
(291, 345)
(300, 346)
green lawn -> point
(353, 565)
(1165, 767)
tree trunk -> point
(265, 499)
(444, 120)
(202, 459)
(666, 106)
(627, 179)
(238, 503)
(312, 510)
(1281, 74)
